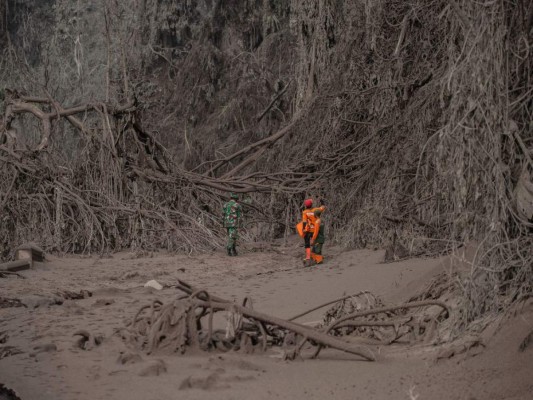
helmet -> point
(308, 203)
(234, 196)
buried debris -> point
(14, 266)
(187, 322)
(25, 256)
(72, 295)
(87, 341)
(29, 251)
(7, 303)
(154, 285)
(7, 351)
(7, 274)
(155, 368)
(43, 348)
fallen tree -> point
(180, 324)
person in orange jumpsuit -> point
(309, 223)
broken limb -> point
(325, 304)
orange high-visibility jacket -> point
(309, 218)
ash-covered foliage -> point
(411, 120)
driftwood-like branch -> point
(274, 101)
(413, 304)
(189, 289)
(311, 334)
(26, 104)
(401, 38)
(358, 324)
(325, 304)
(266, 142)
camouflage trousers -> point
(233, 235)
(317, 248)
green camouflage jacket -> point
(232, 214)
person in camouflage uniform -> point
(232, 221)
(318, 239)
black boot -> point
(229, 251)
(234, 251)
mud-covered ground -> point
(42, 360)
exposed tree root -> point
(180, 324)
(326, 304)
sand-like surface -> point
(50, 365)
